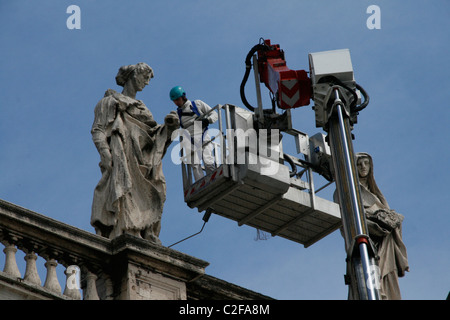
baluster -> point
(90, 292)
(10, 260)
(31, 273)
(51, 281)
(72, 288)
(109, 290)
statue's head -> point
(139, 74)
(364, 164)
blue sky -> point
(51, 79)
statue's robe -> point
(393, 261)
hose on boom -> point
(248, 65)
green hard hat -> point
(177, 92)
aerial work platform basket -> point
(265, 194)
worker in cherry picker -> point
(194, 117)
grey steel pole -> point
(352, 210)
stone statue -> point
(130, 195)
(385, 230)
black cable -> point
(293, 172)
(366, 98)
(318, 169)
(248, 66)
(189, 236)
(206, 217)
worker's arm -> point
(205, 108)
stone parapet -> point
(125, 268)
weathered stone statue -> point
(130, 195)
(385, 230)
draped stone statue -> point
(130, 195)
(385, 230)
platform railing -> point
(218, 139)
(225, 152)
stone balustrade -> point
(123, 268)
(82, 254)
